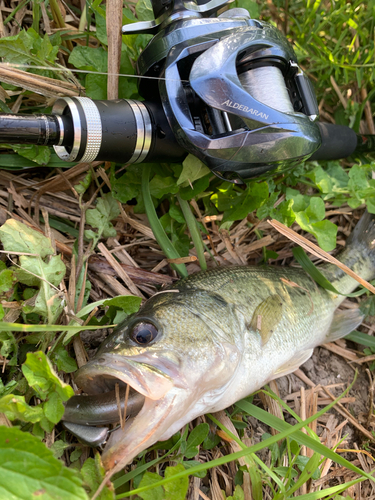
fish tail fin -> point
(343, 323)
(358, 255)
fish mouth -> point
(150, 401)
(115, 386)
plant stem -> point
(14, 12)
(194, 231)
(158, 230)
(36, 15)
(58, 18)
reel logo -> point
(242, 107)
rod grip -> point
(338, 142)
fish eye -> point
(144, 333)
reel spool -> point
(266, 84)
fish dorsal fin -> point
(267, 316)
(292, 364)
(343, 323)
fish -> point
(215, 337)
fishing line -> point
(266, 84)
(70, 70)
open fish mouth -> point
(116, 388)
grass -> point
(244, 452)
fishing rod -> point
(220, 85)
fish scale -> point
(217, 336)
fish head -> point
(173, 354)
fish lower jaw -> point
(144, 430)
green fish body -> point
(219, 335)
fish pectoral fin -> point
(266, 317)
(293, 364)
(343, 323)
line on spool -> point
(267, 85)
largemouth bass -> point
(217, 336)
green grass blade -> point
(194, 231)
(313, 271)
(18, 327)
(361, 338)
(254, 457)
(158, 230)
(133, 473)
(334, 490)
(299, 436)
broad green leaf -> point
(17, 49)
(48, 304)
(45, 51)
(199, 186)
(193, 169)
(188, 464)
(321, 179)
(84, 184)
(63, 361)
(302, 462)
(285, 212)
(211, 441)
(90, 58)
(75, 455)
(128, 186)
(159, 186)
(177, 489)
(58, 448)
(144, 10)
(42, 378)
(325, 232)
(157, 493)
(252, 198)
(17, 237)
(238, 494)
(196, 437)
(358, 178)
(128, 303)
(300, 201)
(106, 210)
(38, 154)
(93, 474)
(316, 209)
(28, 470)
(53, 408)
(52, 271)
(176, 213)
(15, 407)
(7, 280)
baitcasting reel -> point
(227, 89)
